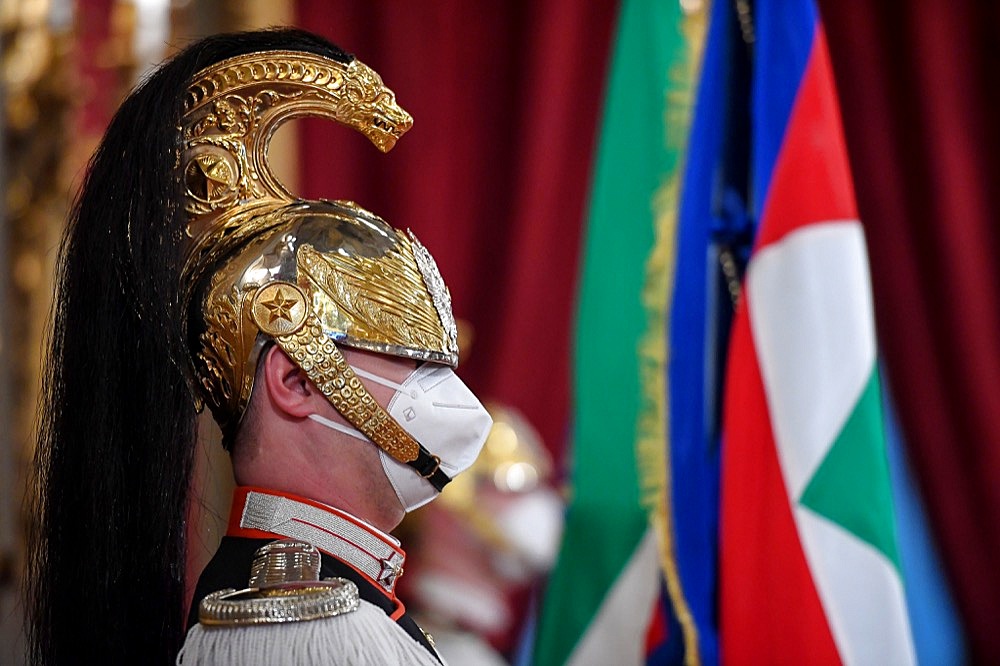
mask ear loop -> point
(347, 430)
(380, 380)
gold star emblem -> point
(209, 177)
(279, 308)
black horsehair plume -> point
(117, 426)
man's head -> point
(315, 278)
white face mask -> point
(440, 412)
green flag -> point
(601, 593)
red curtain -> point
(919, 93)
(494, 174)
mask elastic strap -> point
(438, 479)
(378, 380)
(340, 427)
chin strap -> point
(428, 466)
(320, 359)
(323, 363)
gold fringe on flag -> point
(653, 424)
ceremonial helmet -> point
(264, 266)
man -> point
(320, 337)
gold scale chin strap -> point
(300, 335)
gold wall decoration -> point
(37, 98)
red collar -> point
(271, 514)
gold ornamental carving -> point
(384, 311)
(222, 363)
(233, 109)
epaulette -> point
(287, 615)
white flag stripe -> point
(861, 594)
(813, 330)
(617, 634)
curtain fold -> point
(919, 94)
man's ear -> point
(288, 386)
